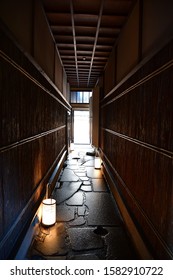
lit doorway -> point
(81, 127)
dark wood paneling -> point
(23, 169)
(128, 53)
(136, 142)
(157, 26)
(22, 120)
(33, 124)
(147, 121)
(110, 72)
(58, 72)
(17, 15)
(44, 46)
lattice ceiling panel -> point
(85, 33)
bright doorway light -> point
(81, 127)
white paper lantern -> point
(48, 212)
(72, 146)
(97, 163)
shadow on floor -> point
(88, 224)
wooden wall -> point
(44, 46)
(33, 114)
(18, 15)
(157, 20)
(27, 22)
(128, 53)
(110, 73)
(137, 130)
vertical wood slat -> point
(33, 122)
(137, 133)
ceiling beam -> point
(96, 37)
(74, 38)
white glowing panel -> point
(48, 211)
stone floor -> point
(88, 225)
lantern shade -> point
(97, 163)
(48, 212)
(72, 146)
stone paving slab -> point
(79, 221)
(84, 257)
(66, 191)
(80, 170)
(118, 244)
(64, 213)
(84, 239)
(89, 163)
(80, 174)
(80, 167)
(38, 256)
(81, 161)
(68, 176)
(81, 210)
(86, 188)
(84, 178)
(86, 207)
(72, 162)
(102, 210)
(76, 199)
(54, 258)
(99, 185)
(94, 173)
(86, 183)
(88, 157)
(54, 242)
(72, 167)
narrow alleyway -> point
(88, 225)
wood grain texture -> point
(33, 124)
(137, 146)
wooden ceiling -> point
(85, 32)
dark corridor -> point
(122, 51)
(88, 223)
